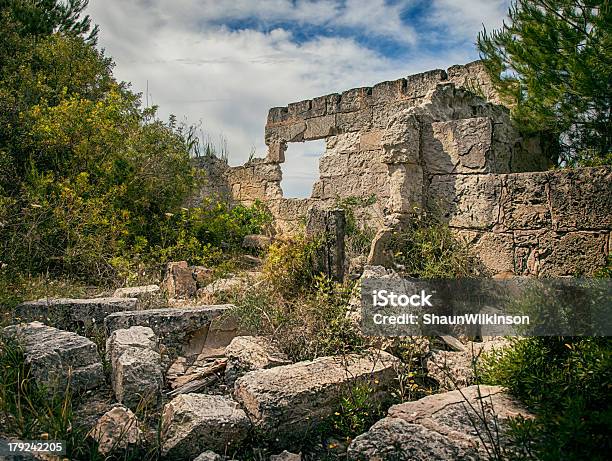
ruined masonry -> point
(441, 139)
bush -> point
(566, 381)
(288, 266)
(426, 248)
(305, 326)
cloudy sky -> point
(224, 63)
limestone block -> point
(474, 77)
(116, 430)
(320, 127)
(72, 314)
(581, 198)
(277, 115)
(381, 114)
(355, 99)
(494, 250)
(370, 162)
(285, 402)
(343, 143)
(291, 131)
(265, 172)
(333, 165)
(256, 241)
(525, 203)
(299, 109)
(248, 353)
(332, 103)
(386, 92)
(136, 292)
(192, 423)
(137, 375)
(174, 327)
(552, 254)
(178, 280)
(418, 85)
(458, 146)
(371, 140)
(405, 188)
(468, 201)
(401, 139)
(56, 358)
(442, 426)
(354, 121)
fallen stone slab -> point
(136, 292)
(72, 314)
(442, 426)
(137, 371)
(286, 402)
(209, 456)
(248, 353)
(453, 370)
(175, 328)
(58, 359)
(193, 423)
(286, 456)
(116, 430)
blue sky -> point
(224, 63)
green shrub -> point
(308, 325)
(566, 382)
(426, 248)
(288, 266)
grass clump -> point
(566, 382)
(426, 248)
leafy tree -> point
(551, 63)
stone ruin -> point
(436, 139)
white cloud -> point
(200, 69)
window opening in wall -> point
(301, 168)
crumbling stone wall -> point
(439, 139)
(552, 223)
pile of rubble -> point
(216, 389)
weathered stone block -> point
(291, 131)
(401, 141)
(299, 109)
(371, 140)
(342, 144)
(467, 201)
(552, 254)
(354, 121)
(178, 280)
(494, 250)
(524, 202)
(442, 426)
(58, 359)
(581, 198)
(418, 85)
(320, 127)
(381, 114)
(137, 375)
(117, 429)
(355, 99)
(387, 92)
(277, 115)
(458, 146)
(249, 353)
(333, 165)
(405, 188)
(285, 402)
(136, 292)
(174, 327)
(73, 314)
(192, 423)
